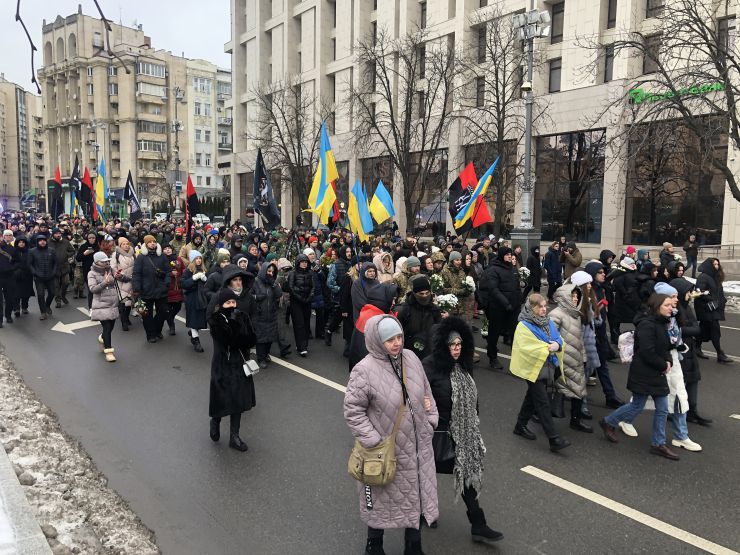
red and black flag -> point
(192, 208)
(459, 194)
(87, 195)
(129, 195)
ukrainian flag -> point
(101, 190)
(381, 207)
(479, 192)
(360, 221)
(322, 196)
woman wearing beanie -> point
(537, 358)
(390, 381)
(102, 285)
(194, 286)
(448, 370)
(122, 266)
(231, 390)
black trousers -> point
(409, 534)
(692, 389)
(335, 318)
(300, 314)
(7, 294)
(235, 422)
(536, 401)
(172, 310)
(157, 310)
(320, 322)
(500, 323)
(710, 332)
(552, 286)
(263, 351)
(44, 293)
(108, 326)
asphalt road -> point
(144, 421)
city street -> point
(144, 421)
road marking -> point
(180, 318)
(85, 311)
(715, 354)
(315, 377)
(629, 512)
(70, 328)
(735, 416)
(502, 355)
(729, 328)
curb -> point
(19, 531)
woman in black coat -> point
(710, 308)
(84, 256)
(626, 297)
(651, 362)
(266, 298)
(449, 371)
(231, 390)
(194, 286)
(23, 277)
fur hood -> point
(145, 251)
(441, 353)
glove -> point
(203, 276)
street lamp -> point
(531, 25)
(93, 126)
(176, 127)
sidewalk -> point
(19, 532)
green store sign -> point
(639, 96)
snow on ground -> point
(70, 498)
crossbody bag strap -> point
(405, 396)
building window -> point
(555, 73)
(423, 15)
(202, 85)
(374, 32)
(151, 146)
(421, 104)
(112, 89)
(483, 3)
(480, 91)
(150, 69)
(726, 35)
(208, 158)
(197, 108)
(654, 8)
(155, 110)
(198, 135)
(422, 62)
(651, 54)
(333, 49)
(558, 16)
(207, 135)
(608, 63)
(198, 159)
(208, 181)
(90, 91)
(199, 180)
(333, 8)
(611, 14)
(89, 71)
(482, 44)
(570, 185)
(151, 127)
(112, 71)
(206, 109)
(153, 90)
(224, 88)
(375, 5)
(372, 111)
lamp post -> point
(532, 24)
(93, 126)
(177, 126)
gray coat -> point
(567, 319)
(105, 295)
(371, 403)
(265, 306)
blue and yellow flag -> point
(381, 207)
(101, 190)
(360, 221)
(322, 196)
(467, 211)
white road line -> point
(712, 353)
(311, 375)
(84, 310)
(729, 328)
(180, 318)
(735, 416)
(629, 512)
(502, 355)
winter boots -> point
(723, 358)
(374, 546)
(196, 344)
(235, 442)
(109, 356)
(479, 529)
(100, 342)
(215, 431)
(172, 329)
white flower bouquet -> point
(437, 283)
(469, 285)
(446, 302)
(677, 257)
(524, 273)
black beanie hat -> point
(420, 283)
(226, 294)
(503, 251)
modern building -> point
(314, 42)
(22, 153)
(143, 110)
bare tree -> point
(287, 128)
(491, 67)
(403, 105)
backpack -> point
(626, 345)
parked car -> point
(218, 221)
(160, 216)
(201, 219)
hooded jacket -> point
(567, 318)
(534, 265)
(371, 291)
(384, 264)
(652, 351)
(499, 287)
(266, 296)
(689, 331)
(300, 281)
(371, 403)
(105, 296)
(707, 281)
(43, 262)
(626, 296)
(418, 321)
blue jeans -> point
(680, 428)
(690, 263)
(630, 411)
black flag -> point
(459, 195)
(129, 194)
(75, 186)
(264, 198)
(192, 208)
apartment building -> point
(22, 155)
(143, 109)
(314, 42)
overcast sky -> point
(197, 27)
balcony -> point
(225, 121)
(225, 146)
(223, 96)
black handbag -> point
(443, 446)
(557, 403)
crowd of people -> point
(407, 310)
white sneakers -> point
(686, 444)
(628, 429)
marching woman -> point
(85, 257)
(387, 386)
(231, 390)
(194, 285)
(23, 277)
(265, 309)
(459, 445)
(174, 290)
(710, 307)
(122, 265)
(102, 285)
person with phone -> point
(151, 278)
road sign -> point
(178, 186)
(144, 202)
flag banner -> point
(192, 207)
(101, 191)
(75, 186)
(56, 196)
(87, 197)
(381, 207)
(466, 212)
(322, 196)
(459, 194)
(358, 213)
(129, 195)
(264, 196)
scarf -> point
(465, 432)
(527, 315)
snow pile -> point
(70, 498)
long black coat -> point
(707, 281)
(23, 276)
(626, 297)
(417, 321)
(151, 276)
(652, 351)
(196, 301)
(231, 391)
(438, 367)
(689, 331)
(265, 296)
(499, 287)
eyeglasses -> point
(455, 345)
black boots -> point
(235, 442)
(557, 443)
(374, 546)
(172, 329)
(523, 431)
(215, 432)
(576, 417)
(723, 358)
(694, 417)
(196, 344)
(327, 337)
(479, 529)
(412, 547)
(699, 352)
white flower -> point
(447, 302)
(677, 257)
(436, 282)
(524, 272)
(469, 284)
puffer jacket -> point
(64, 251)
(125, 262)
(689, 331)
(652, 351)
(151, 276)
(567, 319)
(417, 321)
(499, 287)
(265, 307)
(371, 404)
(43, 262)
(105, 296)
(300, 282)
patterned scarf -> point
(465, 431)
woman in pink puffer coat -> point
(371, 403)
